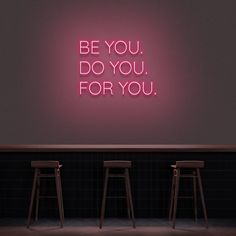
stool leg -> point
(130, 196)
(37, 197)
(176, 193)
(60, 187)
(104, 198)
(58, 196)
(32, 197)
(202, 197)
(127, 198)
(195, 194)
(172, 196)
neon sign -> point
(129, 75)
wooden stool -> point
(124, 165)
(193, 167)
(39, 166)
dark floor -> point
(77, 227)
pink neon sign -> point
(128, 64)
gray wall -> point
(189, 48)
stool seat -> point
(45, 164)
(123, 168)
(189, 164)
(117, 164)
(39, 167)
(193, 171)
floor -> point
(77, 227)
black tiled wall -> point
(82, 179)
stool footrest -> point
(185, 197)
(46, 175)
(116, 197)
(47, 196)
(187, 176)
(116, 175)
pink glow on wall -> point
(149, 64)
